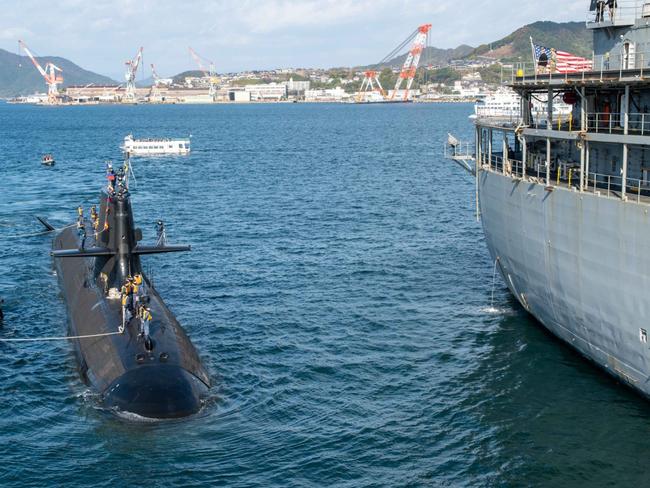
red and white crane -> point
(49, 73)
(420, 40)
(131, 71)
(370, 85)
(209, 72)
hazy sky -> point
(244, 34)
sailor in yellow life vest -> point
(124, 295)
(145, 318)
(137, 282)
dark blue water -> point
(339, 293)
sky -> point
(100, 35)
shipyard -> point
(325, 243)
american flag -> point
(564, 62)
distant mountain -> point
(18, 76)
(430, 55)
(568, 36)
(145, 83)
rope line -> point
(62, 338)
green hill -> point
(431, 55)
(179, 79)
(18, 76)
(569, 36)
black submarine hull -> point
(160, 380)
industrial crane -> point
(209, 72)
(420, 40)
(370, 84)
(49, 73)
(131, 70)
(155, 90)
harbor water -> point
(339, 292)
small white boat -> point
(47, 160)
(136, 147)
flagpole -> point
(532, 49)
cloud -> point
(14, 33)
(241, 34)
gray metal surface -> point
(577, 262)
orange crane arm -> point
(36, 63)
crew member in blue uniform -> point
(81, 231)
(160, 231)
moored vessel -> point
(129, 346)
(564, 201)
(505, 105)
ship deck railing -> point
(463, 153)
(596, 122)
(611, 67)
(567, 175)
(624, 14)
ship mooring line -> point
(61, 338)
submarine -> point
(130, 348)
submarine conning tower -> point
(128, 344)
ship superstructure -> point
(564, 200)
(505, 104)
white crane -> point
(131, 71)
(209, 72)
(154, 95)
(49, 73)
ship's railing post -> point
(595, 182)
(548, 161)
(642, 123)
(642, 59)
(611, 119)
(626, 130)
(524, 156)
(601, 68)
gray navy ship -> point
(130, 348)
(564, 201)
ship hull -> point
(579, 263)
